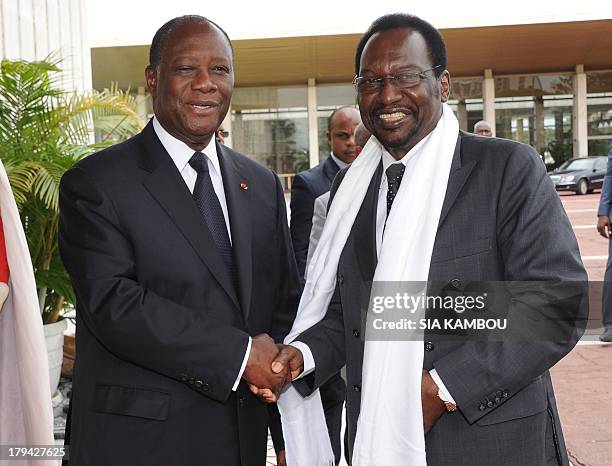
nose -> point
(389, 92)
(203, 82)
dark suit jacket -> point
(161, 330)
(501, 221)
(306, 187)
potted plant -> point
(44, 130)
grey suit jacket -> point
(501, 221)
(319, 215)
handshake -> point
(271, 367)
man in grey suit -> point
(604, 227)
(501, 220)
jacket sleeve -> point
(132, 322)
(291, 281)
(302, 206)
(605, 201)
(543, 270)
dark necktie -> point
(395, 173)
(208, 203)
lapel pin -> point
(244, 186)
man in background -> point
(604, 227)
(310, 184)
(320, 206)
(483, 128)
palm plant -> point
(43, 132)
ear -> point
(328, 134)
(151, 78)
(445, 85)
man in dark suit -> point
(604, 227)
(310, 184)
(167, 239)
(501, 220)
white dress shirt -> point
(381, 216)
(181, 153)
(339, 162)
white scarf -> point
(390, 425)
(25, 402)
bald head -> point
(341, 134)
(483, 128)
(361, 136)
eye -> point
(184, 68)
(221, 69)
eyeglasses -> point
(404, 80)
(223, 133)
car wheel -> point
(582, 187)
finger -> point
(254, 389)
(282, 360)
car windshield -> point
(577, 164)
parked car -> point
(581, 175)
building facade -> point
(548, 85)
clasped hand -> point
(271, 367)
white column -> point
(227, 126)
(34, 29)
(462, 115)
(579, 118)
(488, 99)
(313, 129)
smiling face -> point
(400, 118)
(192, 86)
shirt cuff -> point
(243, 367)
(444, 393)
(309, 364)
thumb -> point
(282, 360)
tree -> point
(43, 132)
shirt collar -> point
(181, 153)
(412, 154)
(339, 162)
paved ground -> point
(583, 379)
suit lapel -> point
(458, 176)
(330, 168)
(167, 186)
(238, 198)
(365, 228)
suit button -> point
(455, 283)
(357, 388)
(356, 333)
(198, 384)
(482, 407)
(429, 346)
(191, 381)
(490, 404)
(340, 279)
(184, 377)
(497, 399)
(205, 387)
(241, 401)
(505, 394)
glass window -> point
(533, 85)
(536, 110)
(270, 125)
(599, 112)
(578, 164)
(466, 101)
